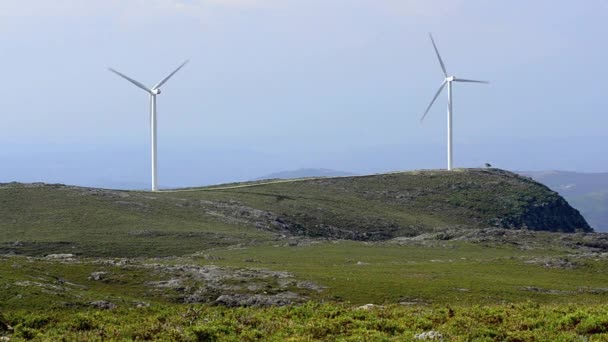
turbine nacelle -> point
(450, 79)
(155, 91)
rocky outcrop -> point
(554, 215)
(230, 287)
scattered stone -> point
(212, 257)
(142, 305)
(547, 291)
(103, 304)
(45, 286)
(97, 276)
(168, 284)
(362, 263)
(429, 336)
(255, 287)
(368, 307)
(115, 262)
(561, 263)
(243, 300)
(66, 256)
(309, 285)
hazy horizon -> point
(281, 85)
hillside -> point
(88, 264)
(587, 192)
(38, 218)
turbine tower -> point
(447, 80)
(153, 92)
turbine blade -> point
(130, 80)
(433, 101)
(159, 84)
(470, 81)
(445, 73)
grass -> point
(446, 273)
(35, 220)
(487, 290)
(43, 220)
(313, 322)
(462, 273)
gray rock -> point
(429, 335)
(238, 300)
(167, 284)
(142, 305)
(60, 256)
(97, 276)
(103, 304)
(368, 307)
(310, 286)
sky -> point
(285, 84)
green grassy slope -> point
(39, 219)
(55, 219)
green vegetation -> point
(444, 273)
(39, 219)
(93, 264)
(433, 272)
(312, 322)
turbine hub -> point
(155, 91)
(450, 79)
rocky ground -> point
(170, 280)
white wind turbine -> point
(153, 92)
(448, 80)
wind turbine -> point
(153, 92)
(448, 80)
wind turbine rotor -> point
(434, 99)
(469, 81)
(445, 72)
(164, 80)
(136, 83)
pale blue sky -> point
(283, 84)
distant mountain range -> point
(587, 192)
(306, 173)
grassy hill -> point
(425, 247)
(37, 218)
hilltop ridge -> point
(39, 218)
